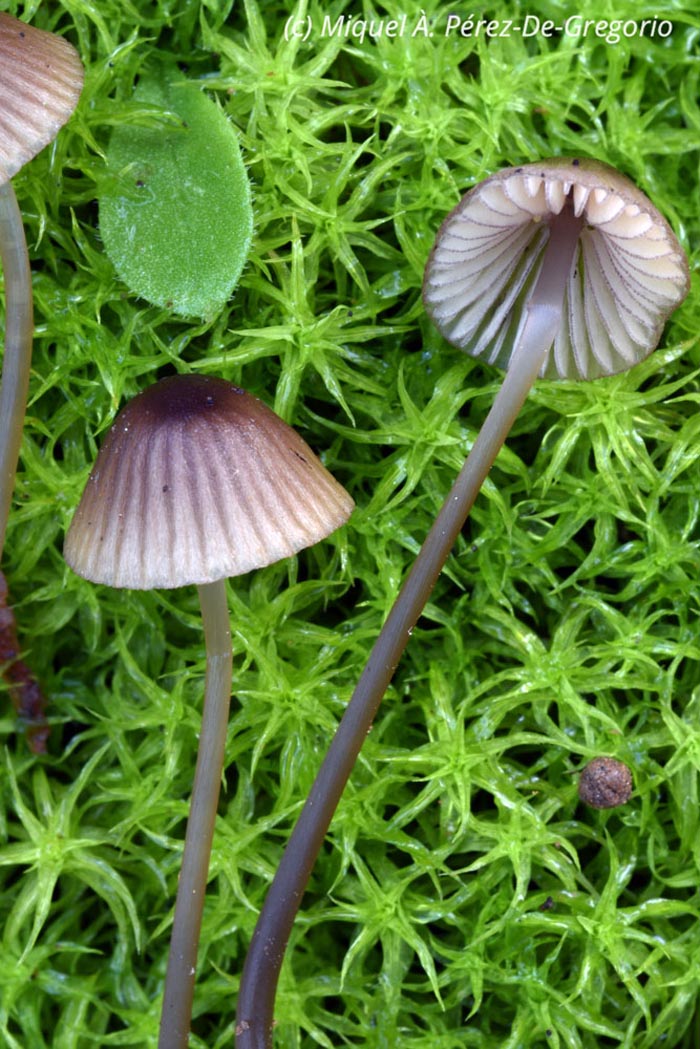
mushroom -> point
(563, 269)
(197, 481)
(41, 78)
(40, 82)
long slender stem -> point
(266, 951)
(182, 960)
(17, 360)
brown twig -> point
(25, 691)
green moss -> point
(464, 897)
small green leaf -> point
(175, 215)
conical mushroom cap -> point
(41, 78)
(196, 481)
(630, 272)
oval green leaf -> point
(175, 215)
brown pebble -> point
(605, 783)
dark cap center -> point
(183, 397)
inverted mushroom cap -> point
(196, 481)
(630, 272)
(41, 78)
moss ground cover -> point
(465, 897)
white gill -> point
(628, 275)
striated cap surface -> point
(630, 272)
(196, 481)
(41, 78)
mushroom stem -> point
(182, 960)
(266, 952)
(17, 359)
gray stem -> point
(17, 361)
(266, 952)
(182, 959)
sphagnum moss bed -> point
(464, 897)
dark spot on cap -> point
(576, 163)
(185, 397)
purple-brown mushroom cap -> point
(196, 481)
(41, 78)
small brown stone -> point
(605, 783)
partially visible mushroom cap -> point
(196, 481)
(41, 78)
(631, 272)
